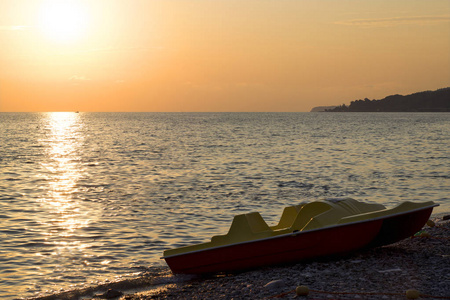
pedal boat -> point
(305, 231)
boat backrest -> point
(256, 222)
(307, 212)
(355, 207)
(340, 209)
(287, 217)
(244, 227)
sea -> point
(89, 198)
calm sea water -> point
(91, 197)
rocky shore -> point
(421, 263)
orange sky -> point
(221, 55)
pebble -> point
(302, 290)
(110, 294)
(412, 294)
(275, 284)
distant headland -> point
(427, 101)
(322, 108)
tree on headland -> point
(427, 101)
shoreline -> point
(420, 263)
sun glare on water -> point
(63, 21)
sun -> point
(63, 21)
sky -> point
(217, 55)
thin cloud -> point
(75, 79)
(123, 49)
(390, 22)
(13, 28)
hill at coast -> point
(427, 101)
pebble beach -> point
(415, 267)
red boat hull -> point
(399, 227)
(299, 246)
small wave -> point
(12, 231)
(37, 244)
(13, 179)
(437, 176)
(295, 184)
(87, 185)
(150, 279)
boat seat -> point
(287, 217)
(244, 227)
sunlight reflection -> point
(63, 168)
